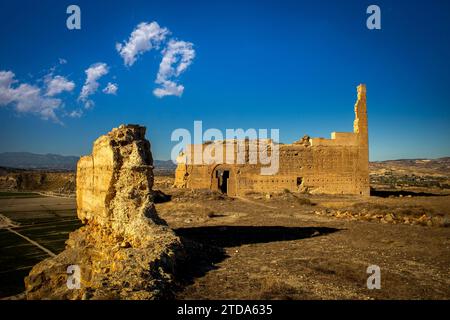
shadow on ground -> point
(205, 246)
(403, 193)
(232, 236)
(160, 197)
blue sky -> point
(291, 65)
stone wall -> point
(339, 165)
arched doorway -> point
(223, 180)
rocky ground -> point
(290, 246)
(261, 246)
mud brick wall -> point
(339, 165)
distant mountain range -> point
(27, 160)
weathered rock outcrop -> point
(124, 251)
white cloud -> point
(177, 57)
(169, 88)
(111, 88)
(26, 98)
(144, 37)
(62, 61)
(58, 84)
(93, 74)
(76, 113)
(89, 104)
(6, 93)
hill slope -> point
(27, 160)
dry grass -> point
(305, 202)
(272, 288)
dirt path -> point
(254, 202)
(7, 224)
(34, 243)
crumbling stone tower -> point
(360, 127)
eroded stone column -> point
(124, 251)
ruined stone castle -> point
(339, 165)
